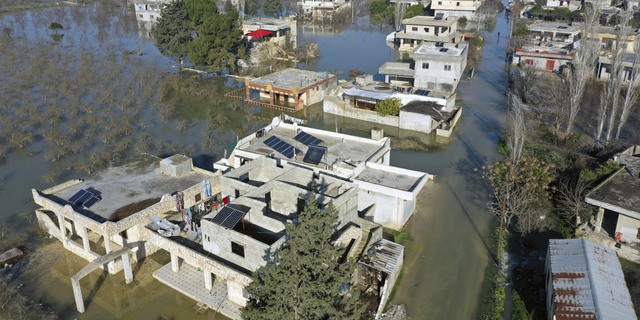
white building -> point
(147, 14)
(321, 9)
(584, 280)
(456, 8)
(438, 66)
(421, 29)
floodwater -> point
(448, 252)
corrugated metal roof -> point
(384, 255)
(588, 282)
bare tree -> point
(518, 130)
(632, 94)
(616, 77)
(526, 79)
(571, 192)
(583, 66)
(400, 11)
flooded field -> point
(448, 252)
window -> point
(237, 249)
(458, 4)
(301, 205)
(237, 193)
(529, 61)
(440, 2)
(425, 65)
(426, 30)
(140, 16)
(447, 67)
(151, 16)
(414, 28)
(198, 197)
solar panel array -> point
(444, 49)
(307, 139)
(228, 217)
(85, 198)
(283, 147)
(314, 154)
(422, 92)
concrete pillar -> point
(248, 93)
(271, 97)
(107, 243)
(296, 99)
(208, 280)
(126, 264)
(63, 229)
(85, 238)
(174, 262)
(235, 295)
(77, 293)
(599, 218)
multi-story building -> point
(421, 29)
(456, 8)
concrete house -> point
(291, 87)
(456, 9)
(147, 14)
(617, 224)
(421, 111)
(388, 194)
(421, 29)
(438, 66)
(270, 30)
(322, 9)
(543, 58)
(584, 280)
(554, 34)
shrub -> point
(401, 237)
(503, 147)
(462, 20)
(604, 169)
(477, 42)
(389, 106)
(378, 6)
(522, 31)
(413, 11)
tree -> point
(217, 35)
(55, 26)
(303, 280)
(583, 66)
(228, 7)
(632, 93)
(251, 7)
(172, 32)
(271, 7)
(378, 6)
(389, 106)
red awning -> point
(259, 33)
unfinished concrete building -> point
(617, 222)
(276, 31)
(386, 194)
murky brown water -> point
(448, 252)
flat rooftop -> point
(431, 50)
(268, 24)
(431, 21)
(389, 179)
(354, 148)
(290, 78)
(623, 188)
(129, 182)
(554, 27)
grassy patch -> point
(393, 291)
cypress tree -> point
(172, 33)
(302, 281)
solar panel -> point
(84, 198)
(307, 139)
(77, 196)
(282, 147)
(91, 202)
(444, 49)
(228, 217)
(314, 154)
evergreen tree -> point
(251, 7)
(303, 280)
(271, 7)
(228, 7)
(217, 35)
(172, 32)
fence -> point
(233, 95)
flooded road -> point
(448, 252)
